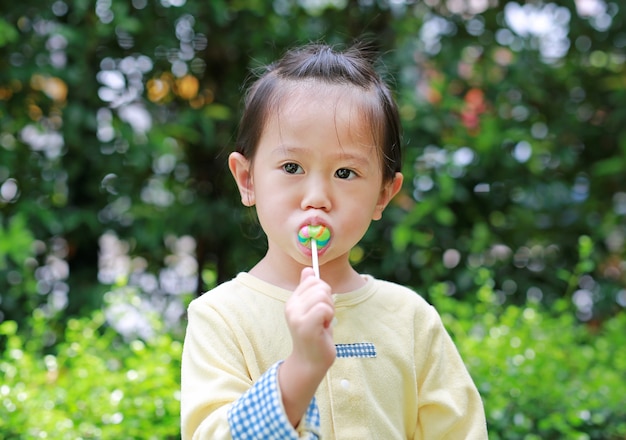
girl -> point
(278, 353)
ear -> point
(387, 193)
(240, 167)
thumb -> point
(307, 272)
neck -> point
(338, 273)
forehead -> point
(336, 107)
(295, 92)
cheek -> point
(272, 207)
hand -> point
(309, 313)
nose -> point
(317, 194)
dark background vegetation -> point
(117, 208)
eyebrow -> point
(358, 159)
(283, 150)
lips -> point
(314, 234)
(305, 234)
(316, 221)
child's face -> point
(317, 163)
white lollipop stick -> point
(316, 269)
(316, 265)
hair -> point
(353, 67)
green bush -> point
(542, 375)
(94, 385)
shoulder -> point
(218, 294)
(228, 295)
(242, 296)
(392, 291)
(403, 301)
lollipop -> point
(314, 233)
(311, 236)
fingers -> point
(311, 291)
(311, 303)
(309, 313)
(307, 272)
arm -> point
(450, 406)
(213, 374)
(216, 388)
(218, 398)
(309, 313)
(259, 413)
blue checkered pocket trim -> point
(358, 350)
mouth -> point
(314, 232)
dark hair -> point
(352, 67)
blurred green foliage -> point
(512, 112)
(541, 374)
(93, 385)
(116, 204)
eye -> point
(344, 173)
(292, 168)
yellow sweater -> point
(415, 385)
